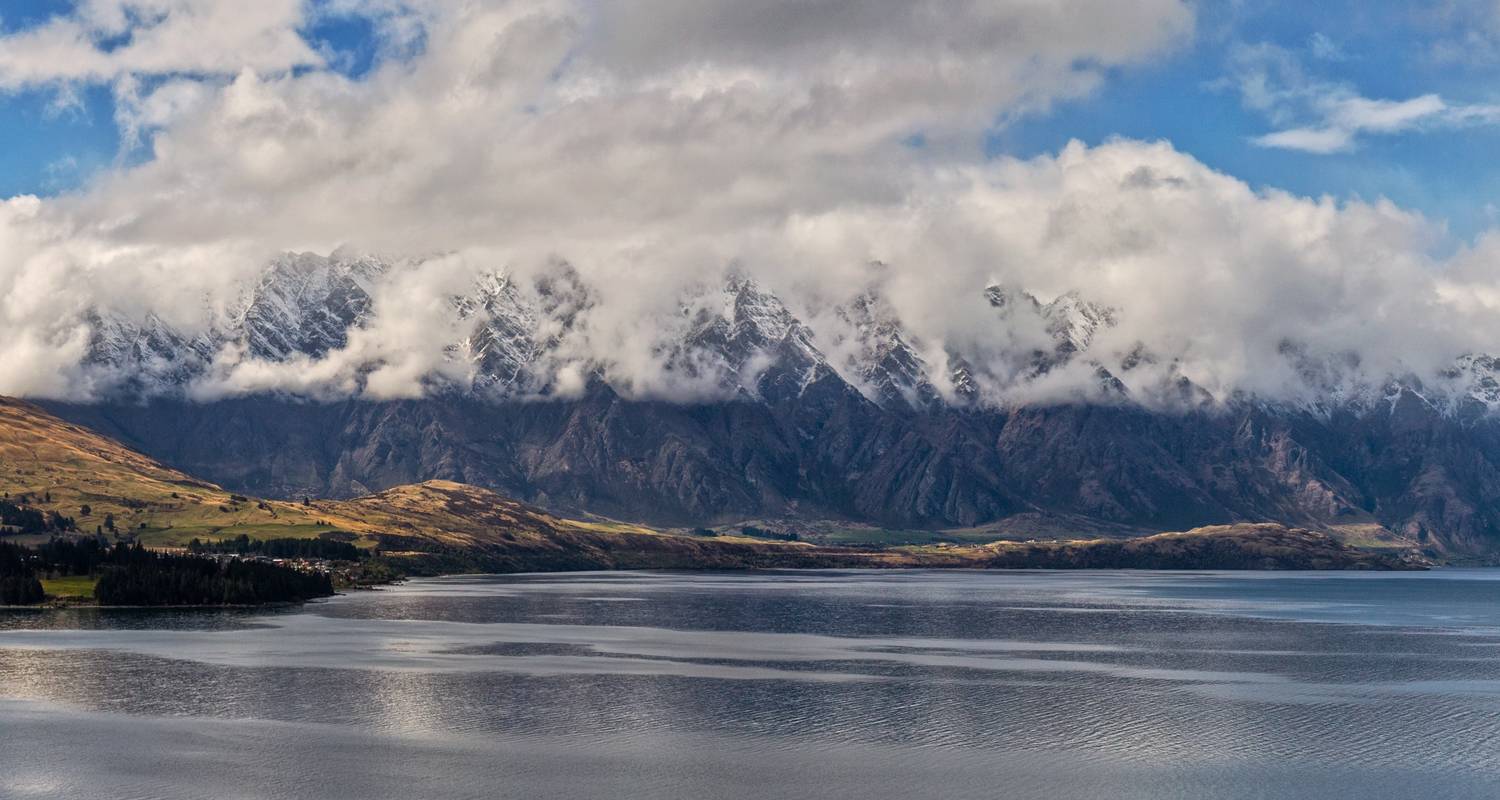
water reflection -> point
(816, 684)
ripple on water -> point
(1148, 685)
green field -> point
(842, 534)
(891, 538)
(180, 535)
(69, 586)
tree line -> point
(31, 520)
(762, 533)
(139, 577)
(18, 582)
(129, 574)
(326, 549)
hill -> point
(103, 485)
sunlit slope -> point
(70, 469)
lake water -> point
(840, 684)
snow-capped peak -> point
(880, 357)
(305, 304)
(746, 335)
(501, 344)
(1074, 321)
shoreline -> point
(235, 607)
(56, 606)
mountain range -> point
(64, 480)
(858, 421)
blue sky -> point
(52, 140)
(1379, 50)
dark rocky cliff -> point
(828, 452)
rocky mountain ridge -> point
(90, 487)
(508, 337)
(871, 423)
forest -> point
(131, 575)
(18, 581)
(326, 549)
(18, 517)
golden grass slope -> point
(45, 457)
(456, 515)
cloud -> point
(102, 40)
(1309, 140)
(656, 145)
(1324, 48)
(1325, 117)
(643, 141)
(1383, 116)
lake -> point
(836, 684)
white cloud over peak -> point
(653, 145)
(649, 139)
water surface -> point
(839, 684)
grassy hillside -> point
(1239, 546)
(72, 470)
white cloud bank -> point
(655, 144)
